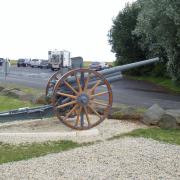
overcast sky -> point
(29, 28)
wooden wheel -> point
(82, 99)
(53, 79)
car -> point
(28, 62)
(35, 63)
(21, 62)
(104, 65)
(44, 64)
(1, 61)
(97, 66)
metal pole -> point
(119, 69)
(129, 66)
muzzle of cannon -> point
(82, 98)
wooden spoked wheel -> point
(52, 81)
(82, 99)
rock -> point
(168, 121)
(171, 119)
(175, 113)
(127, 112)
(15, 92)
(1, 88)
(42, 99)
(153, 115)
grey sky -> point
(30, 27)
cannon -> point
(82, 98)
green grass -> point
(171, 136)
(13, 62)
(86, 64)
(25, 89)
(164, 82)
(9, 103)
(9, 152)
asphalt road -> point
(130, 92)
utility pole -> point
(6, 68)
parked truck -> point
(59, 59)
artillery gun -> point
(82, 98)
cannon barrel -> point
(129, 66)
(118, 69)
(112, 74)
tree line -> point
(146, 29)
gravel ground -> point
(127, 158)
(107, 129)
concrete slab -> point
(48, 135)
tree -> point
(124, 43)
(158, 29)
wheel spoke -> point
(95, 86)
(86, 83)
(66, 95)
(99, 94)
(70, 112)
(87, 117)
(78, 82)
(68, 85)
(78, 116)
(94, 111)
(99, 103)
(66, 104)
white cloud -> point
(30, 27)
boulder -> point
(41, 99)
(1, 88)
(169, 121)
(14, 92)
(153, 115)
(175, 113)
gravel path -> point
(127, 158)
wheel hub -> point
(83, 99)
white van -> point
(59, 59)
(35, 63)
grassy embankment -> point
(171, 136)
(164, 82)
(9, 103)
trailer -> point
(59, 59)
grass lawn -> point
(9, 152)
(164, 82)
(25, 89)
(13, 62)
(9, 103)
(171, 136)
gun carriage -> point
(82, 98)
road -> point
(130, 92)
